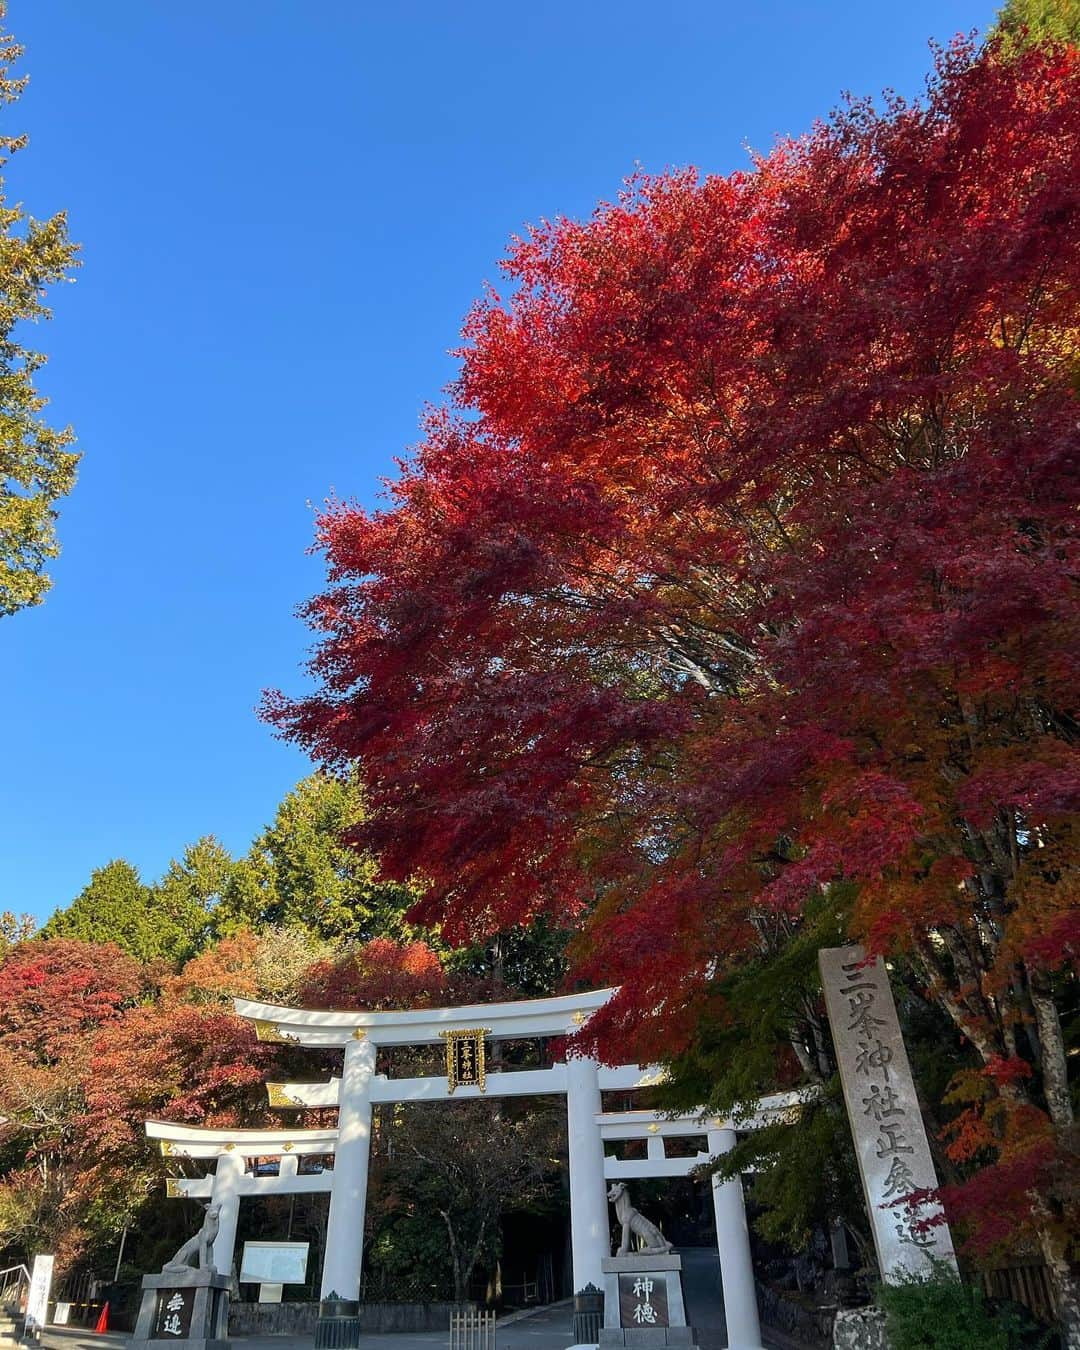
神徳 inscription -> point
(890, 1139)
(643, 1301)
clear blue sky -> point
(286, 207)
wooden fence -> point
(1026, 1284)
(472, 1329)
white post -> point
(225, 1192)
(589, 1229)
(733, 1243)
(344, 1253)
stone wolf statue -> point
(198, 1251)
(633, 1221)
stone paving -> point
(545, 1328)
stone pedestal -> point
(643, 1302)
(185, 1307)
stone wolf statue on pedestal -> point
(198, 1251)
(633, 1221)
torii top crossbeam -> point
(522, 1019)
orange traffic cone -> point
(103, 1320)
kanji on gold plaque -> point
(465, 1057)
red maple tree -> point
(55, 997)
(52, 994)
(744, 566)
(376, 974)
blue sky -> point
(286, 208)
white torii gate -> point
(360, 1034)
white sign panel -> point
(886, 1123)
(37, 1300)
(274, 1263)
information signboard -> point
(274, 1263)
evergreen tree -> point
(150, 923)
(1025, 23)
(302, 871)
(184, 898)
(37, 466)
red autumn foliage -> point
(53, 993)
(746, 566)
(1029, 1179)
(171, 1061)
(378, 974)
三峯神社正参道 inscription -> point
(886, 1123)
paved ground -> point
(704, 1301)
(542, 1329)
(545, 1329)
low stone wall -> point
(799, 1325)
(298, 1319)
(273, 1319)
(390, 1317)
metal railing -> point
(14, 1281)
(472, 1329)
(14, 1288)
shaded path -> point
(704, 1299)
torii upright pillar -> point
(344, 1253)
(589, 1226)
(733, 1243)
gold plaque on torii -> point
(465, 1064)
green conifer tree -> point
(37, 465)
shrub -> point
(942, 1313)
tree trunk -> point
(1056, 1091)
(455, 1258)
(1052, 1044)
(1067, 1289)
(473, 1259)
